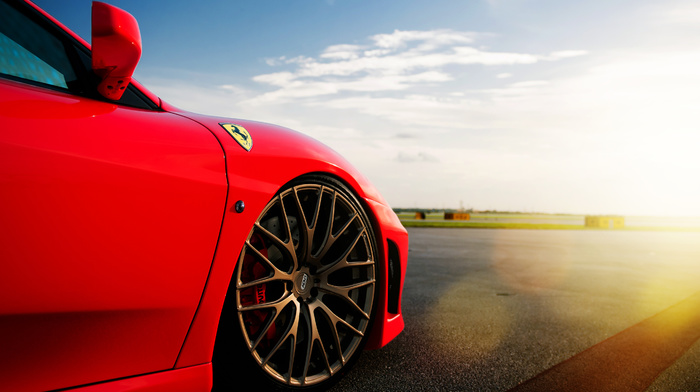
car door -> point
(110, 214)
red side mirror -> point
(116, 48)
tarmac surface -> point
(495, 310)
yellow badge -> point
(240, 134)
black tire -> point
(301, 300)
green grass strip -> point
(490, 225)
(530, 226)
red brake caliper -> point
(253, 270)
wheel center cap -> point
(303, 283)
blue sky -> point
(549, 106)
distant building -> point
(457, 216)
(605, 222)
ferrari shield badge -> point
(239, 134)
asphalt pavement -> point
(493, 310)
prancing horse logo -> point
(239, 134)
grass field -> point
(545, 222)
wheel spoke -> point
(333, 320)
(344, 263)
(309, 348)
(292, 353)
(314, 341)
(291, 331)
(328, 238)
(290, 243)
(277, 305)
(277, 274)
(288, 246)
(344, 293)
(331, 239)
(317, 210)
(346, 225)
(343, 259)
(307, 230)
(266, 328)
(325, 357)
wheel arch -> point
(199, 345)
(228, 338)
(388, 320)
(277, 157)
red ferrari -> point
(145, 248)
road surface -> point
(493, 310)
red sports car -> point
(145, 248)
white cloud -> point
(428, 40)
(236, 90)
(530, 83)
(564, 54)
(294, 88)
(421, 157)
(407, 61)
(686, 14)
(392, 62)
(279, 79)
(342, 52)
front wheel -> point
(305, 286)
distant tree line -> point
(430, 210)
(469, 210)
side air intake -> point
(394, 289)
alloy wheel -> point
(305, 284)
